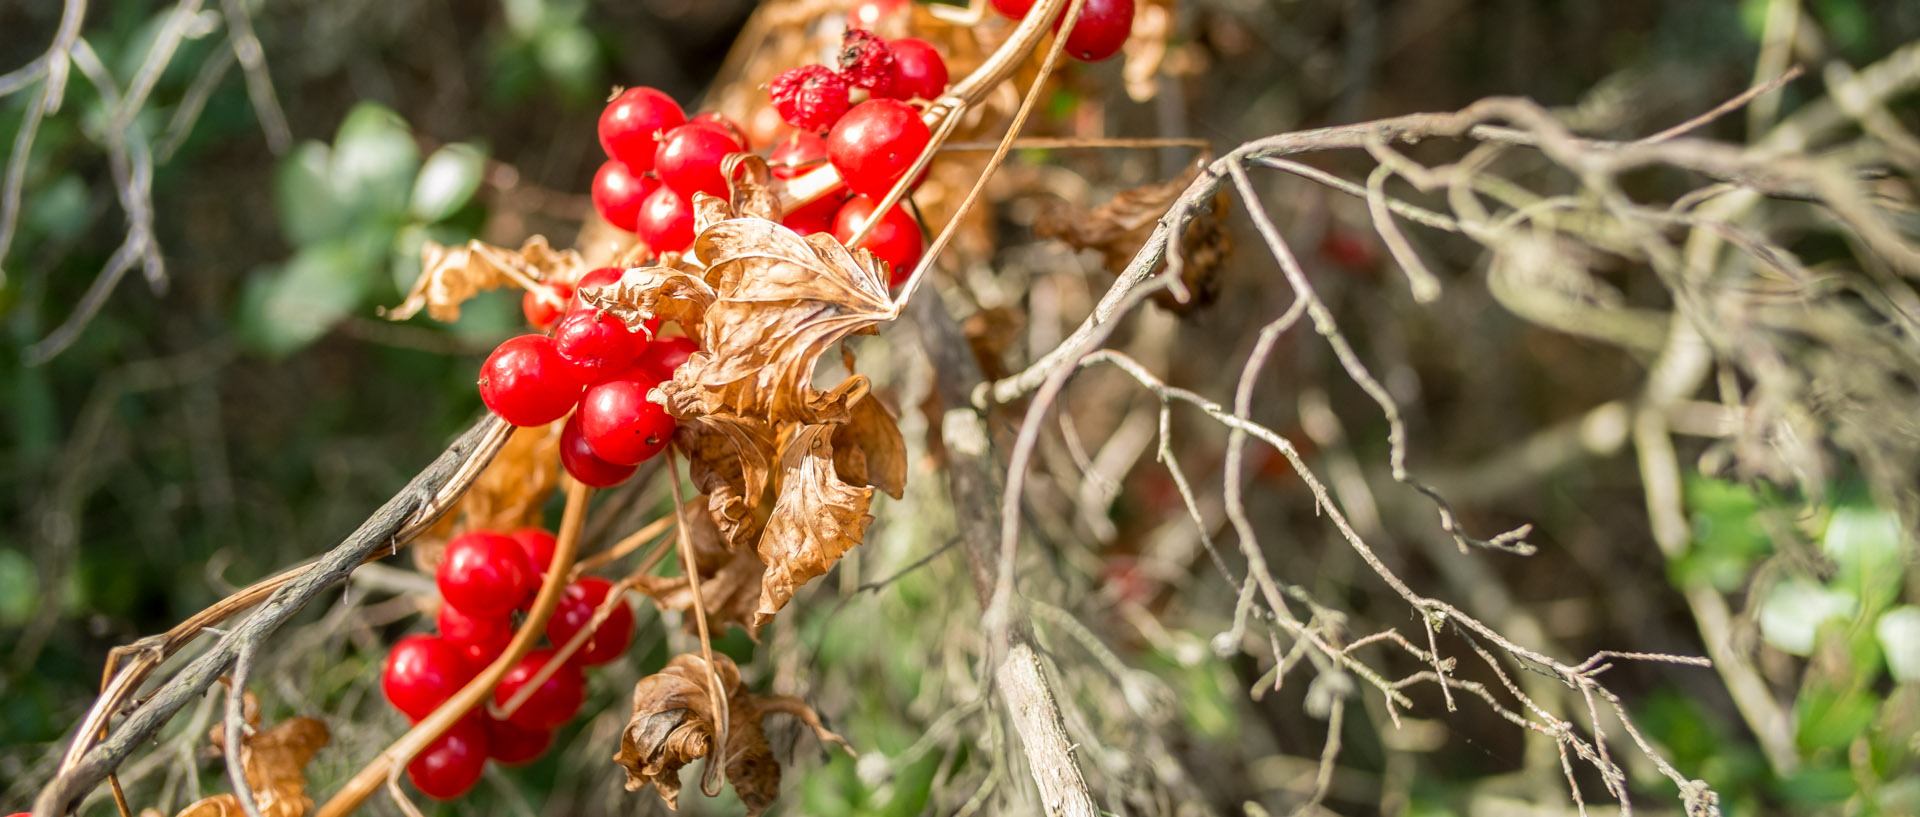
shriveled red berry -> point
(868, 13)
(513, 746)
(664, 355)
(577, 604)
(480, 638)
(922, 71)
(621, 425)
(895, 239)
(485, 574)
(718, 120)
(596, 344)
(875, 143)
(553, 703)
(542, 312)
(688, 159)
(796, 154)
(528, 383)
(538, 545)
(422, 672)
(811, 97)
(580, 461)
(617, 193)
(1102, 29)
(633, 122)
(666, 221)
(452, 763)
(814, 217)
(867, 62)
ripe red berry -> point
(715, 119)
(553, 702)
(923, 73)
(688, 159)
(480, 638)
(617, 193)
(597, 278)
(875, 143)
(796, 154)
(811, 97)
(867, 62)
(538, 545)
(633, 122)
(596, 344)
(1102, 29)
(452, 763)
(583, 464)
(541, 312)
(422, 672)
(528, 383)
(666, 221)
(575, 612)
(895, 240)
(485, 574)
(664, 355)
(816, 217)
(868, 13)
(1012, 9)
(513, 746)
(620, 424)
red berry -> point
(528, 383)
(452, 763)
(663, 356)
(621, 425)
(867, 62)
(617, 193)
(596, 344)
(575, 612)
(1102, 29)
(688, 159)
(485, 574)
(633, 121)
(868, 13)
(1012, 9)
(553, 703)
(895, 240)
(666, 221)
(583, 464)
(923, 73)
(538, 545)
(422, 672)
(816, 217)
(715, 119)
(875, 143)
(541, 312)
(597, 278)
(811, 97)
(514, 746)
(480, 638)
(797, 154)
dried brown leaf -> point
(816, 519)
(731, 592)
(274, 762)
(868, 449)
(729, 459)
(646, 292)
(451, 275)
(1118, 229)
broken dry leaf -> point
(451, 275)
(274, 762)
(1118, 229)
(647, 292)
(728, 460)
(868, 449)
(731, 592)
(816, 519)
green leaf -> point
(1899, 632)
(303, 197)
(1831, 718)
(1865, 542)
(1794, 610)
(374, 160)
(447, 181)
(289, 307)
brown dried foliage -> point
(1119, 228)
(274, 762)
(449, 276)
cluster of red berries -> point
(593, 362)
(1098, 34)
(656, 160)
(484, 578)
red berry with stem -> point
(797, 154)
(717, 120)
(895, 239)
(621, 425)
(452, 763)
(664, 355)
(596, 344)
(528, 383)
(811, 97)
(422, 672)
(538, 545)
(867, 62)
(633, 122)
(875, 143)
(577, 605)
(666, 221)
(814, 217)
(580, 461)
(1102, 29)
(923, 72)
(485, 574)
(688, 159)
(617, 193)
(513, 746)
(542, 312)
(480, 638)
(551, 704)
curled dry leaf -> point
(817, 519)
(451, 275)
(1118, 228)
(673, 725)
(728, 459)
(274, 762)
(868, 449)
(647, 292)
(731, 592)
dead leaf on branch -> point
(731, 593)
(729, 460)
(817, 519)
(868, 449)
(449, 276)
(673, 725)
(1118, 229)
(647, 292)
(274, 763)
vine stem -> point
(717, 698)
(389, 762)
